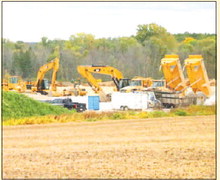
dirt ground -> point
(164, 148)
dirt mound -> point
(17, 105)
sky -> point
(30, 21)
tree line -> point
(137, 55)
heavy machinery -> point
(116, 75)
(196, 72)
(42, 85)
(173, 73)
(138, 84)
(179, 92)
(14, 83)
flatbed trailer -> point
(175, 99)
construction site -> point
(139, 93)
(109, 90)
(163, 147)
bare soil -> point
(161, 148)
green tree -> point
(80, 44)
(157, 42)
(23, 63)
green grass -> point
(17, 106)
(19, 109)
(194, 110)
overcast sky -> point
(30, 21)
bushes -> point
(195, 110)
(180, 113)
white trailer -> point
(134, 101)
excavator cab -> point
(124, 83)
(44, 85)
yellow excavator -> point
(41, 85)
(117, 77)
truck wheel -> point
(122, 108)
(191, 97)
(125, 108)
(200, 98)
(172, 106)
(158, 104)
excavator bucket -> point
(197, 74)
(173, 73)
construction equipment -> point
(180, 92)
(138, 84)
(116, 75)
(174, 93)
(14, 83)
(196, 71)
(42, 85)
(173, 73)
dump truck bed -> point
(196, 71)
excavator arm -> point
(54, 64)
(86, 72)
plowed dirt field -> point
(180, 147)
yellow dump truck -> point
(198, 78)
(180, 93)
(173, 73)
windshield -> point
(124, 83)
(46, 84)
(135, 83)
(57, 101)
(158, 84)
(13, 80)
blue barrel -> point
(93, 102)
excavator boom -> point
(54, 64)
(86, 72)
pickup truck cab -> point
(67, 103)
